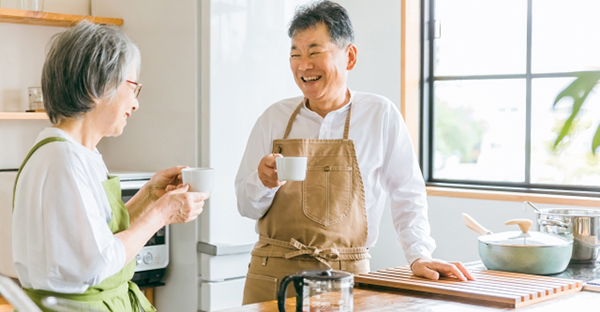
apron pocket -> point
(260, 288)
(326, 194)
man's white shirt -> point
(385, 156)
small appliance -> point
(153, 258)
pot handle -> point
(473, 225)
(281, 294)
(524, 224)
(553, 222)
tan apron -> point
(318, 223)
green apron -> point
(117, 292)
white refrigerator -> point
(244, 68)
(244, 53)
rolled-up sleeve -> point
(401, 177)
(80, 247)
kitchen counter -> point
(383, 299)
(372, 298)
(581, 271)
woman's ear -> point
(351, 54)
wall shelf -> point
(52, 19)
(21, 116)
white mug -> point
(291, 168)
(200, 179)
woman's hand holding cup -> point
(180, 206)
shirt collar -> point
(337, 111)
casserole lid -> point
(529, 239)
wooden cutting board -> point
(513, 289)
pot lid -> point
(529, 239)
(325, 275)
(570, 212)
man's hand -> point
(432, 268)
(267, 171)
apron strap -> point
(139, 302)
(35, 147)
(292, 118)
(347, 125)
(297, 110)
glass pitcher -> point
(319, 291)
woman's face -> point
(113, 114)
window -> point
(492, 69)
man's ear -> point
(351, 54)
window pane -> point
(479, 130)
(566, 35)
(573, 163)
(481, 37)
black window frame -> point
(426, 130)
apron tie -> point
(326, 254)
(299, 249)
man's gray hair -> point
(331, 14)
(84, 63)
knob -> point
(147, 258)
(138, 259)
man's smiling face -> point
(319, 66)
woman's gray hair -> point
(331, 14)
(84, 63)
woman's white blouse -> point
(61, 238)
(386, 160)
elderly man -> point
(357, 147)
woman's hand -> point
(164, 181)
(432, 268)
(179, 205)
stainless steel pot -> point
(522, 251)
(582, 225)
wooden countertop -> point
(383, 299)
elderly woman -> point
(73, 237)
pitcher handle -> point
(281, 295)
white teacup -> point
(291, 168)
(200, 179)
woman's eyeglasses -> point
(138, 87)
